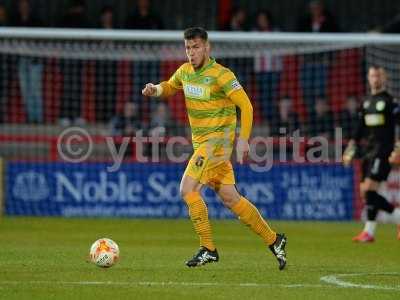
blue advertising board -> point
(292, 192)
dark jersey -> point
(377, 122)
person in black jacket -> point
(75, 16)
(30, 68)
(24, 16)
(238, 20)
(144, 17)
(317, 20)
(287, 120)
(5, 67)
(377, 121)
(72, 69)
(347, 118)
(127, 124)
(322, 124)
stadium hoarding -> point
(287, 191)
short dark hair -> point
(377, 67)
(195, 32)
(374, 67)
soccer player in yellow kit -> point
(212, 93)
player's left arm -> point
(240, 99)
(395, 155)
(235, 92)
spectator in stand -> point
(160, 125)
(107, 18)
(71, 103)
(238, 20)
(323, 123)
(243, 66)
(318, 19)
(24, 16)
(4, 69)
(393, 26)
(3, 16)
(106, 73)
(144, 17)
(127, 124)
(30, 69)
(287, 120)
(267, 70)
(76, 16)
(264, 22)
(348, 118)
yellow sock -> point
(251, 217)
(199, 215)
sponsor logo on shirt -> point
(196, 91)
(374, 119)
(236, 85)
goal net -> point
(72, 119)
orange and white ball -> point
(104, 252)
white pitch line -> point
(334, 280)
(165, 283)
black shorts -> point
(376, 168)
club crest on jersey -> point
(207, 80)
(366, 104)
(380, 105)
(196, 91)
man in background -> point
(377, 121)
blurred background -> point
(49, 85)
(350, 16)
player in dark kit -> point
(377, 122)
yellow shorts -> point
(212, 169)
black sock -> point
(384, 204)
(372, 205)
(376, 202)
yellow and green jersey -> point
(212, 115)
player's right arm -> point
(349, 153)
(351, 149)
(164, 89)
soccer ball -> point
(104, 252)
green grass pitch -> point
(45, 258)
